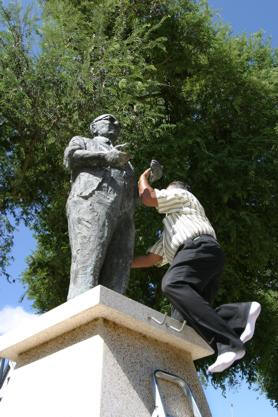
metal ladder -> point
(159, 410)
(6, 368)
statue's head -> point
(105, 125)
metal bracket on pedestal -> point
(159, 410)
(157, 321)
(175, 328)
(163, 321)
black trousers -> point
(191, 284)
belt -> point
(198, 237)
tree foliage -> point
(202, 102)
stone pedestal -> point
(94, 356)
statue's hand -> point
(121, 146)
(117, 158)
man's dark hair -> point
(180, 184)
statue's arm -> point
(76, 154)
(84, 157)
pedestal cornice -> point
(100, 302)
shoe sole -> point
(238, 356)
(252, 317)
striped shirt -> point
(185, 219)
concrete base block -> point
(95, 356)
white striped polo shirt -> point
(185, 219)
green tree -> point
(202, 102)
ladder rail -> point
(4, 370)
(159, 410)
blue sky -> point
(249, 16)
(243, 16)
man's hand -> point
(146, 261)
(117, 159)
(146, 174)
(146, 192)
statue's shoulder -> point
(79, 141)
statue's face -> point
(107, 127)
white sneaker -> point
(253, 314)
(225, 360)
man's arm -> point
(146, 261)
(146, 192)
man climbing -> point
(188, 243)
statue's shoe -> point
(253, 314)
(225, 360)
(156, 171)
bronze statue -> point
(100, 209)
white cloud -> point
(12, 317)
